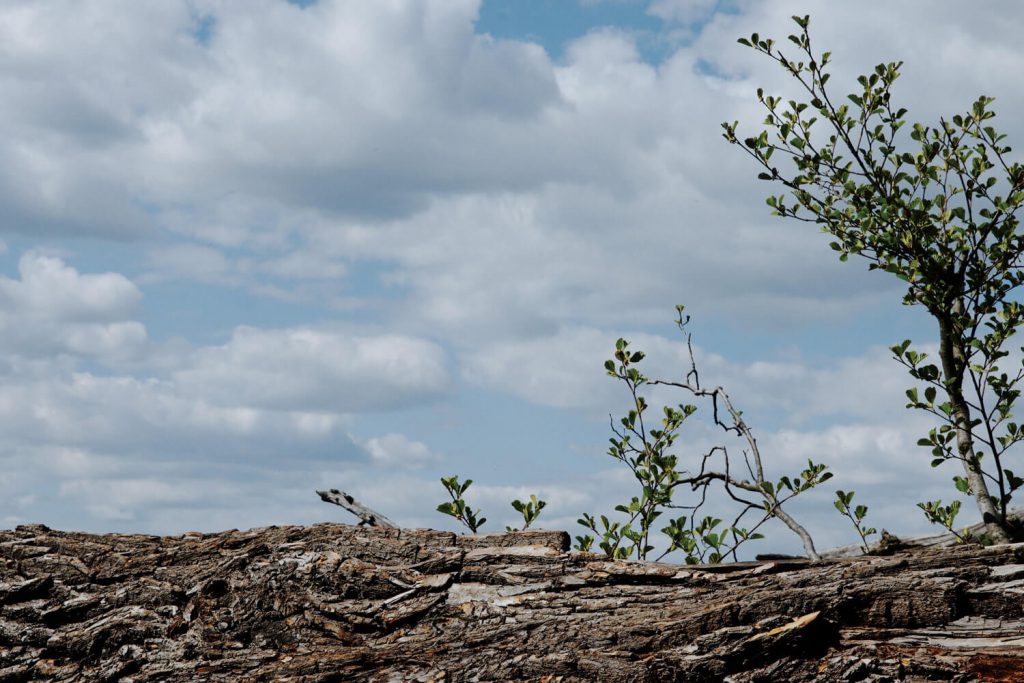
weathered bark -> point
(889, 544)
(334, 602)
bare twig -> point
(737, 426)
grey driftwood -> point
(367, 515)
(334, 602)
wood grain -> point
(334, 602)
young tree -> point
(939, 212)
(643, 444)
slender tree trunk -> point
(952, 357)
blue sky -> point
(252, 249)
(555, 24)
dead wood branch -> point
(369, 517)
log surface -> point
(333, 602)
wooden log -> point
(369, 517)
(334, 602)
(888, 543)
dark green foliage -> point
(530, 510)
(856, 516)
(945, 516)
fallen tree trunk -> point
(333, 602)
(888, 543)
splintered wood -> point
(334, 602)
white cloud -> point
(565, 370)
(120, 499)
(50, 289)
(397, 450)
(317, 370)
(348, 72)
(52, 308)
(157, 419)
(131, 418)
(303, 157)
(265, 394)
(685, 11)
(238, 144)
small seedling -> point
(945, 516)
(855, 515)
(530, 510)
(457, 507)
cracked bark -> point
(333, 602)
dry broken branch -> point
(740, 428)
(369, 517)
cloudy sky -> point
(252, 248)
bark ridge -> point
(333, 602)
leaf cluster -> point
(945, 516)
(457, 506)
(530, 510)
(856, 515)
